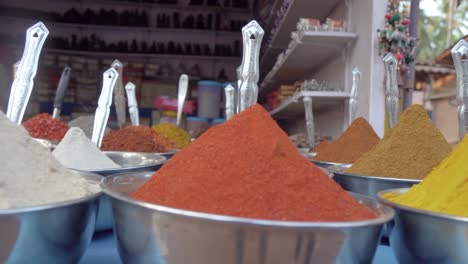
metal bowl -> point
(367, 185)
(129, 162)
(51, 145)
(169, 153)
(327, 164)
(421, 236)
(303, 150)
(52, 233)
(148, 233)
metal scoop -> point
(27, 69)
(60, 93)
(132, 104)
(119, 95)
(230, 106)
(460, 61)
(252, 35)
(183, 87)
(105, 100)
(353, 96)
(391, 89)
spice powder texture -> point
(445, 189)
(322, 146)
(358, 139)
(247, 167)
(136, 139)
(413, 147)
(45, 127)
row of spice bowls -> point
(416, 236)
(157, 234)
(149, 233)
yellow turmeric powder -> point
(445, 189)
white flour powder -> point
(30, 175)
(76, 151)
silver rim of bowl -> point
(416, 210)
(385, 213)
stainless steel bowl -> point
(327, 164)
(148, 233)
(132, 162)
(52, 233)
(367, 185)
(420, 236)
(129, 162)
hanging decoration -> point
(395, 38)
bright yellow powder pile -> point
(173, 133)
(445, 189)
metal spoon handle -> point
(229, 91)
(309, 117)
(60, 93)
(353, 96)
(458, 52)
(391, 89)
(105, 100)
(15, 69)
(132, 104)
(119, 95)
(249, 72)
(183, 87)
(27, 69)
(239, 83)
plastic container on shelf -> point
(217, 121)
(209, 99)
(196, 125)
(168, 117)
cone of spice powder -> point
(45, 127)
(323, 145)
(247, 167)
(136, 139)
(410, 151)
(358, 139)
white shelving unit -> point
(328, 56)
(304, 55)
(297, 9)
(294, 107)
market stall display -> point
(248, 192)
(47, 210)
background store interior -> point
(158, 40)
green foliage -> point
(433, 30)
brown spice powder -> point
(413, 148)
(358, 139)
(322, 146)
(136, 139)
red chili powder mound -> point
(247, 167)
(136, 139)
(45, 127)
(357, 140)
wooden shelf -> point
(141, 4)
(141, 55)
(304, 56)
(294, 107)
(52, 25)
(318, 9)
